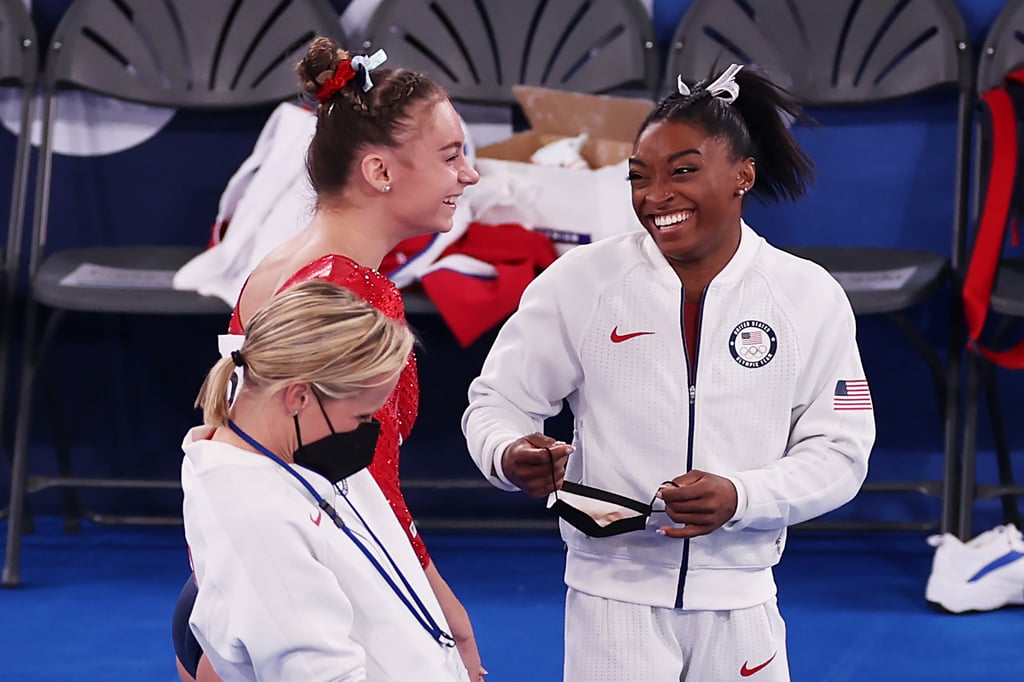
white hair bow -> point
(724, 87)
(368, 63)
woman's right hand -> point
(528, 466)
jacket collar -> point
(733, 271)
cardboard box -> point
(573, 206)
(611, 124)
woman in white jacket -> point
(717, 392)
(304, 572)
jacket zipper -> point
(691, 377)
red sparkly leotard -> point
(399, 412)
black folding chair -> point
(1002, 52)
(200, 55)
(847, 53)
(19, 66)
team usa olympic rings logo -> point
(753, 344)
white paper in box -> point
(573, 205)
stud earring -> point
(385, 189)
(740, 192)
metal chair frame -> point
(201, 55)
(1001, 53)
(19, 67)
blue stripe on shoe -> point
(1007, 558)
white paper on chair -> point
(92, 275)
(880, 280)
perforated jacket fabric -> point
(779, 405)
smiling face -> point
(431, 171)
(684, 188)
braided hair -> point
(349, 118)
(755, 125)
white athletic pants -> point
(613, 641)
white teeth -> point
(663, 221)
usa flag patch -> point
(851, 394)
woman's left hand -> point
(465, 642)
(700, 501)
(458, 621)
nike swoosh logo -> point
(619, 338)
(747, 672)
(1004, 560)
(316, 521)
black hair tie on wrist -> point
(237, 358)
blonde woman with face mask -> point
(304, 572)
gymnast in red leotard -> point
(387, 163)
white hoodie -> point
(284, 594)
(778, 403)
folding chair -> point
(846, 54)
(479, 49)
(19, 66)
(199, 55)
(1002, 52)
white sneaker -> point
(983, 574)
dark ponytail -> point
(755, 125)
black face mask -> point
(598, 513)
(339, 455)
(595, 512)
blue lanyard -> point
(421, 614)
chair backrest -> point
(1003, 50)
(19, 67)
(201, 54)
(834, 53)
(1001, 54)
(841, 53)
(479, 49)
(19, 61)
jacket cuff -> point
(741, 504)
(497, 473)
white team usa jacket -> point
(284, 594)
(777, 402)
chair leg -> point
(19, 474)
(72, 510)
(69, 496)
(945, 382)
(939, 374)
(970, 444)
(1011, 513)
(7, 314)
(950, 453)
(5, 342)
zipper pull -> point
(693, 393)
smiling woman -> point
(701, 365)
(387, 163)
(694, 162)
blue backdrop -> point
(123, 387)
